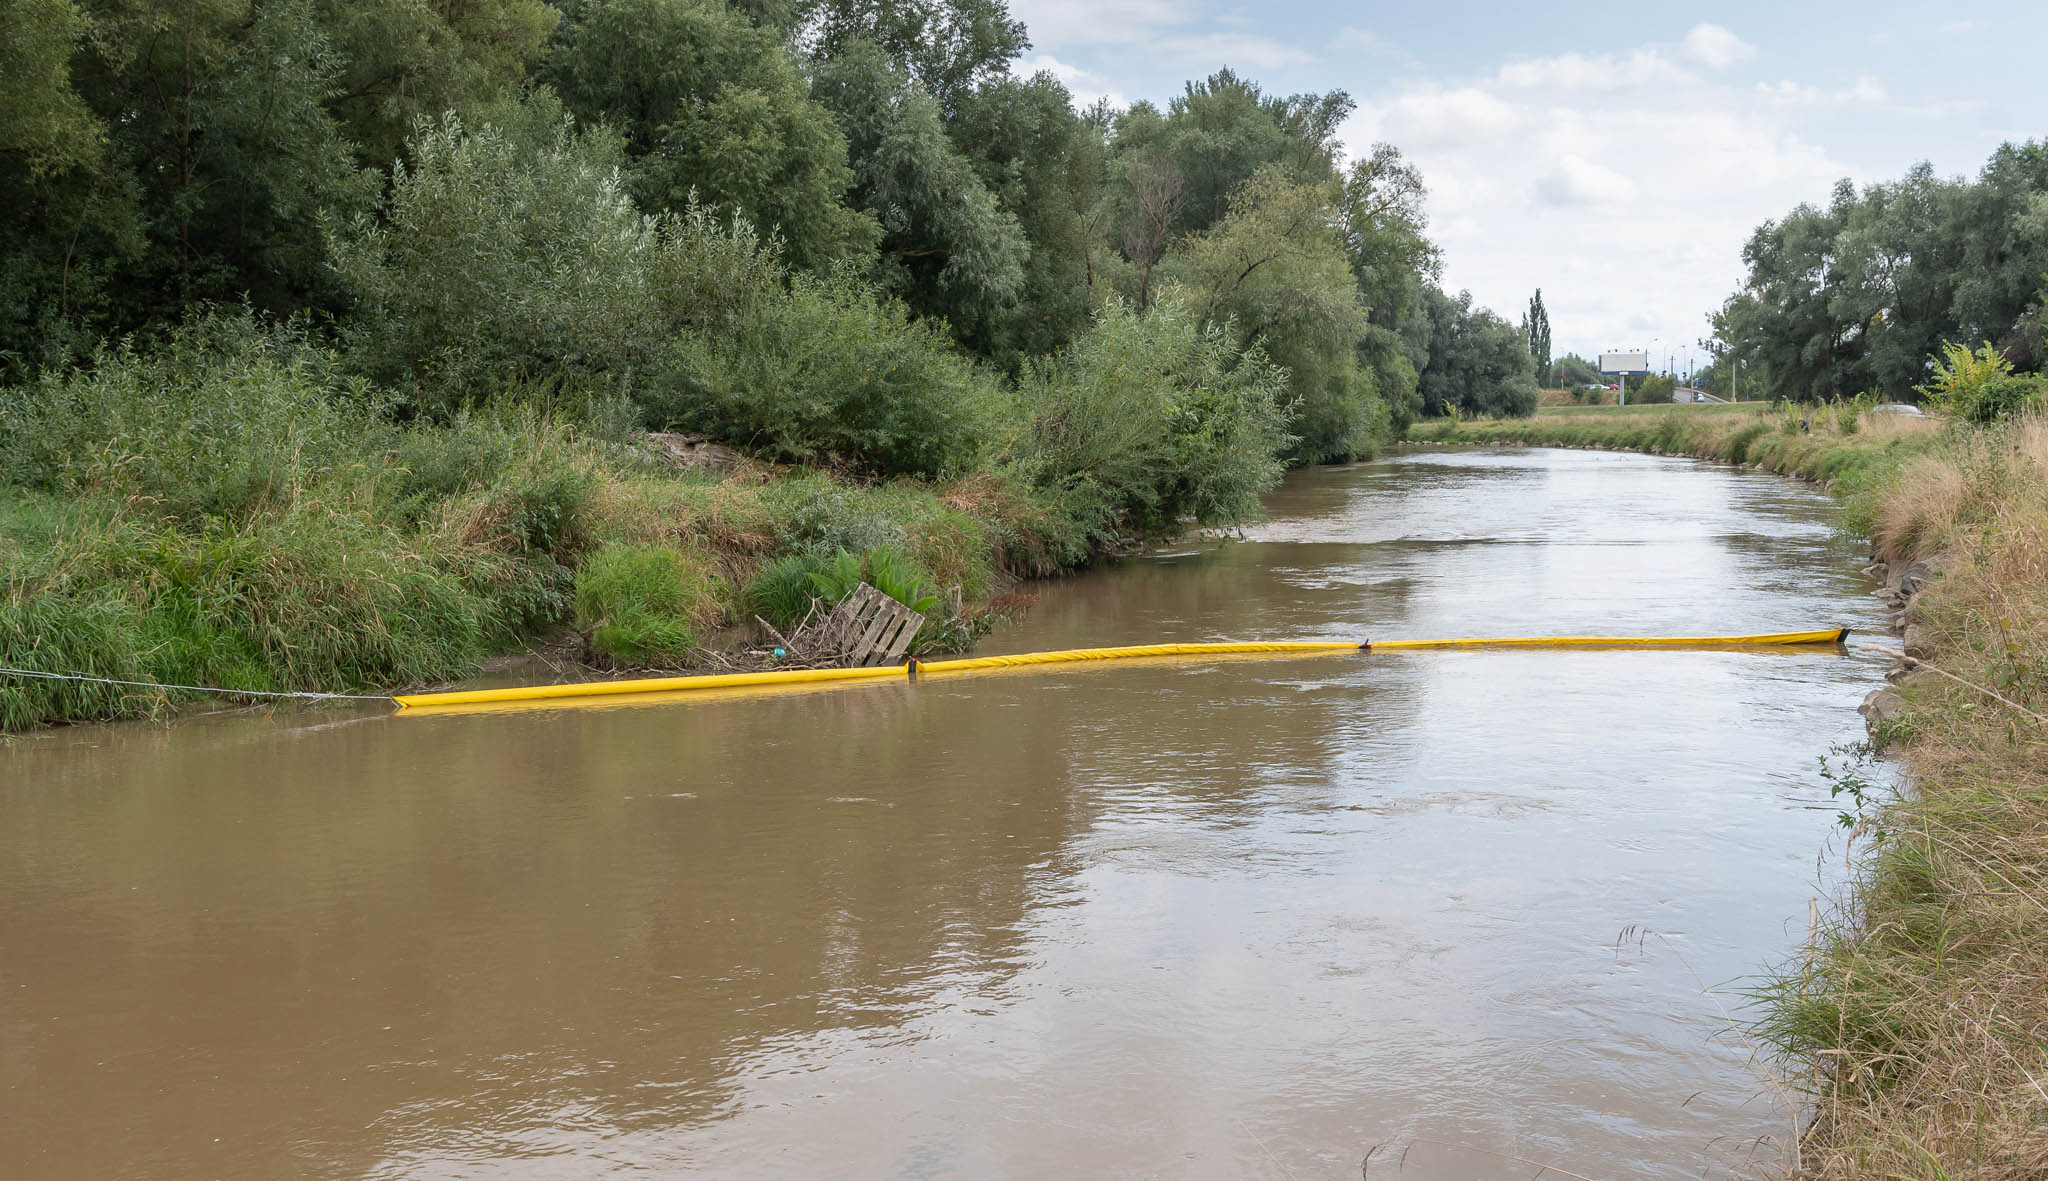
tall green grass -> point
(637, 604)
(306, 600)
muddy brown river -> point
(1224, 918)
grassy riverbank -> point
(1918, 1015)
(368, 574)
(230, 509)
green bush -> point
(2008, 395)
(431, 464)
(814, 512)
(497, 258)
(838, 577)
(1738, 449)
(782, 590)
(82, 630)
(1849, 411)
(881, 569)
(1651, 390)
(222, 420)
(830, 371)
(1147, 423)
(1981, 386)
(636, 603)
(327, 598)
(237, 515)
(898, 579)
(302, 600)
(536, 508)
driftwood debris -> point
(866, 628)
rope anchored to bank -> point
(1918, 662)
(161, 686)
(919, 668)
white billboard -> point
(1631, 363)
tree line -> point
(672, 199)
(1862, 294)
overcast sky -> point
(1615, 154)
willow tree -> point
(1274, 270)
(949, 248)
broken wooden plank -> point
(879, 626)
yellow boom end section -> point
(1834, 635)
(813, 676)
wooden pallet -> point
(869, 627)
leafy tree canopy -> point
(950, 47)
(715, 113)
(1274, 270)
(1479, 364)
(1860, 294)
(948, 247)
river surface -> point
(1248, 917)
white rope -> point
(29, 672)
(1917, 662)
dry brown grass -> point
(1895, 426)
(1920, 1011)
(729, 518)
(1913, 522)
(1023, 529)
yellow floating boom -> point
(807, 676)
(1834, 635)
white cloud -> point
(1207, 51)
(1576, 180)
(1434, 115)
(1084, 86)
(1576, 71)
(1622, 183)
(1356, 40)
(1866, 92)
(1716, 47)
(1952, 108)
(1154, 26)
(1065, 23)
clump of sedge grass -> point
(642, 604)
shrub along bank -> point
(1917, 1016)
(234, 507)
